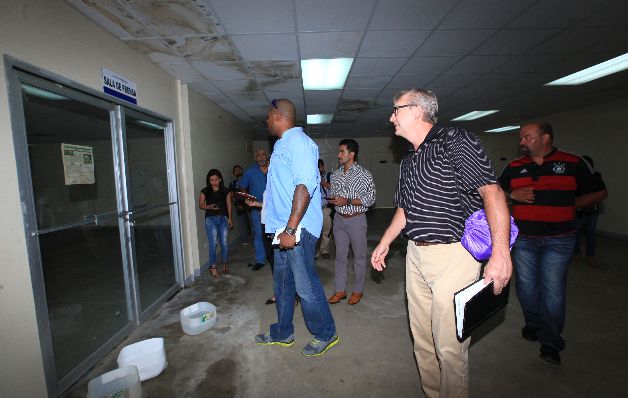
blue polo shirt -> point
(294, 162)
(254, 181)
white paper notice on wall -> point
(119, 86)
(78, 164)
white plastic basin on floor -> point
(198, 317)
(122, 382)
(148, 355)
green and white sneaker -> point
(265, 339)
(318, 347)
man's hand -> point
(286, 241)
(339, 201)
(524, 195)
(378, 256)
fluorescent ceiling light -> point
(611, 66)
(42, 93)
(500, 129)
(325, 74)
(473, 115)
(319, 118)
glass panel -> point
(148, 180)
(82, 265)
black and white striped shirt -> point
(436, 200)
(357, 182)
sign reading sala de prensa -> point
(119, 86)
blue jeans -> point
(541, 265)
(258, 236)
(586, 224)
(295, 272)
(217, 228)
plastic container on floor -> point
(120, 383)
(198, 317)
(148, 355)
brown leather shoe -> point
(337, 297)
(355, 298)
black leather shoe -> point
(550, 354)
(271, 301)
(529, 333)
(258, 266)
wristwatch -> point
(290, 231)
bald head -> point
(285, 108)
(281, 116)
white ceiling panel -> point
(203, 86)
(264, 47)
(393, 43)
(478, 64)
(280, 84)
(276, 69)
(410, 81)
(494, 80)
(204, 48)
(376, 66)
(367, 81)
(249, 99)
(237, 86)
(183, 72)
(333, 15)
(217, 98)
(558, 13)
(243, 16)
(294, 96)
(385, 98)
(615, 14)
(448, 80)
(527, 63)
(494, 13)
(453, 42)
(157, 51)
(317, 107)
(428, 65)
(329, 44)
(322, 95)
(224, 70)
(114, 18)
(175, 18)
(514, 41)
(366, 94)
(568, 41)
(410, 14)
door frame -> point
(16, 72)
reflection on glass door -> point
(73, 181)
(149, 207)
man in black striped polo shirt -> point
(546, 186)
(443, 178)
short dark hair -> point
(352, 146)
(546, 128)
(320, 162)
(234, 167)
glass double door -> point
(103, 220)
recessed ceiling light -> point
(500, 129)
(325, 74)
(611, 66)
(473, 115)
(319, 118)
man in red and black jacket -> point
(546, 186)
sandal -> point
(214, 272)
(225, 268)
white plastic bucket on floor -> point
(148, 355)
(122, 382)
(198, 317)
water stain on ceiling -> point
(175, 17)
(276, 69)
(205, 48)
(156, 50)
(113, 17)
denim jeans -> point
(586, 224)
(217, 228)
(295, 272)
(258, 236)
(541, 265)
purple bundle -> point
(477, 235)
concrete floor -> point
(374, 357)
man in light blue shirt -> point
(254, 182)
(293, 206)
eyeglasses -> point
(396, 108)
(274, 103)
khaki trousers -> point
(433, 274)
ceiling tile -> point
(203, 86)
(494, 13)
(264, 47)
(451, 80)
(294, 96)
(276, 69)
(409, 14)
(365, 94)
(224, 70)
(318, 107)
(249, 99)
(183, 72)
(513, 41)
(175, 18)
(217, 98)
(410, 81)
(204, 48)
(453, 42)
(245, 16)
(428, 65)
(393, 43)
(367, 82)
(322, 95)
(571, 40)
(376, 66)
(557, 13)
(527, 63)
(441, 92)
(495, 80)
(114, 18)
(237, 86)
(329, 44)
(614, 14)
(156, 50)
(478, 64)
(280, 84)
(326, 15)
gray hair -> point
(424, 99)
